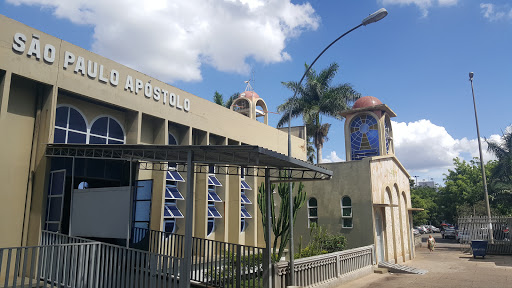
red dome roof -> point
(366, 101)
(249, 94)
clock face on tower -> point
(364, 137)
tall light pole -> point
(372, 18)
(484, 180)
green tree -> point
(219, 99)
(316, 98)
(500, 193)
(426, 198)
(463, 193)
(281, 223)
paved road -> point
(448, 267)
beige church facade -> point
(368, 198)
(54, 92)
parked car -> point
(435, 229)
(462, 236)
(415, 231)
(427, 228)
(449, 233)
(421, 229)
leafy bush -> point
(322, 242)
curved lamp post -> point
(484, 181)
(372, 18)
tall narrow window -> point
(172, 195)
(244, 200)
(55, 201)
(346, 212)
(312, 212)
(213, 197)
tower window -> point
(346, 212)
(364, 137)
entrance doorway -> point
(379, 231)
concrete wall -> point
(349, 179)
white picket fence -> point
(328, 269)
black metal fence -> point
(495, 230)
(83, 263)
(214, 263)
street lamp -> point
(374, 17)
(484, 180)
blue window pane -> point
(177, 176)
(172, 211)
(55, 204)
(110, 141)
(53, 227)
(74, 137)
(173, 193)
(169, 226)
(144, 190)
(212, 180)
(245, 200)
(76, 121)
(172, 140)
(57, 183)
(97, 140)
(212, 196)
(100, 126)
(115, 130)
(213, 212)
(142, 210)
(143, 225)
(244, 185)
(245, 214)
(59, 136)
(61, 117)
(211, 226)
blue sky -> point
(416, 60)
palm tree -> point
(317, 98)
(219, 99)
(502, 171)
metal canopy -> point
(228, 159)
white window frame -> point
(309, 212)
(347, 217)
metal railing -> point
(481, 227)
(316, 270)
(88, 264)
(214, 263)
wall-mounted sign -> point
(81, 66)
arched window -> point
(70, 126)
(106, 130)
(346, 212)
(364, 137)
(312, 212)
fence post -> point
(238, 275)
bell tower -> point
(251, 105)
(368, 130)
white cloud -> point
(171, 40)
(333, 157)
(423, 5)
(493, 13)
(427, 149)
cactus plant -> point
(281, 224)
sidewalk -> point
(447, 267)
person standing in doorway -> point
(431, 243)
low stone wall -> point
(328, 270)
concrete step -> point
(397, 268)
(380, 270)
